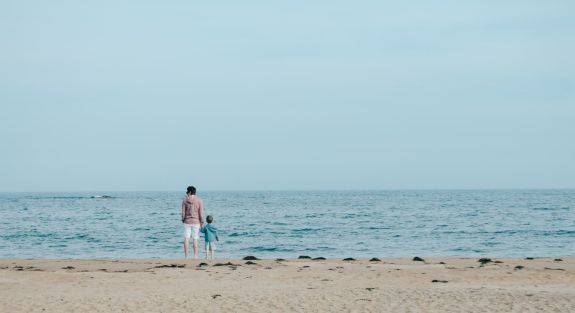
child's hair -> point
(209, 219)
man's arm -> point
(201, 214)
(183, 211)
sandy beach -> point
(295, 285)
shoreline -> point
(438, 284)
(295, 258)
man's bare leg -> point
(186, 247)
(195, 248)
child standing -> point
(211, 236)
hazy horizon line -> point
(295, 190)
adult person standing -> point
(193, 219)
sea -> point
(287, 224)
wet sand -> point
(294, 285)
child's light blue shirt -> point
(211, 233)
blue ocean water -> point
(287, 224)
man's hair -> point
(209, 219)
(191, 190)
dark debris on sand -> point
(484, 261)
(554, 269)
(418, 259)
(519, 267)
(374, 260)
(171, 266)
(304, 257)
(319, 258)
(439, 281)
(226, 264)
(349, 259)
(27, 268)
(280, 260)
(251, 263)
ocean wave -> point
(551, 209)
(268, 249)
(241, 234)
(306, 230)
(57, 198)
(461, 249)
(560, 232)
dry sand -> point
(390, 285)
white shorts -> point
(192, 230)
(210, 246)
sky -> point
(286, 95)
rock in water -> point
(250, 258)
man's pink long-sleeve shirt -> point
(193, 210)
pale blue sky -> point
(235, 95)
